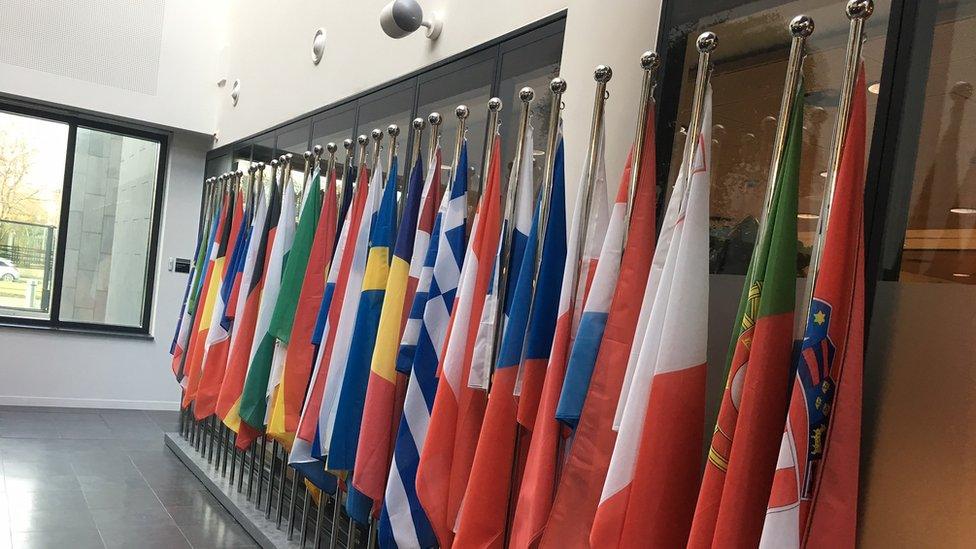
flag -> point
(184, 326)
(649, 494)
(305, 455)
(348, 407)
(246, 315)
(604, 239)
(381, 413)
(218, 337)
(293, 278)
(207, 300)
(299, 360)
(445, 460)
(342, 321)
(403, 521)
(583, 469)
(254, 400)
(813, 502)
(742, 455)
(493, 487)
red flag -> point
(581, 480)
(814, 496)
(455, 423)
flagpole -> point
(434, 119)
(417, 132)
(494, 107)
(801, 27)
(706, 44)
(526, 95)
(310, 160)
(282, 484)
(306, 507)
(336, 515)
(602, 75)
(350, 148)
(377, 135)
(394, 132)
(558, 87)
(649, 61)
(462, 113)
(858, 11)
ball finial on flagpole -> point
(802, 26)
(435, 119)
(707, 41)
(860, 9)
(602, 73)
(462, 111)
(557, 85)
(332, 148)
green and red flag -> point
(742, 457)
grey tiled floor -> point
(102, 478)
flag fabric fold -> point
(742, 455)
(457, 413)
(380, 414)
(582, 471)
(264, 355)
(652, 479)
(492, 487)
(813, 502)
(403, 521)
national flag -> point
(305, 455)
(218, 337)
(403, 521)
(742, 456)
(493, 485)
(207, 299)
(604, 239)
(352, 392)
(246, 316)
(184, 326)
(814, 496)
(300, 358)
(649, 494)
(455, 421)
(384, 393)
(342, 319)
(254, 399)
(582, 471)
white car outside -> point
(8, 272)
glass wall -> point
(920, 215)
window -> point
(498, 69)
(78, 223)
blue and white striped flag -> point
(403, 522)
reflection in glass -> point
(109, 225)
(395, 107)
(753, 56)
(32, 157)
(335, 127)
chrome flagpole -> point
(320, 517)
(250, 470)
(494, 107)
(350, 148)
(306, 507)
(858, 11)
(336, 515)
(602, 75)
(511, 195)
(435, 120)
(282, 485)
(706, 43)
(377, 136)
(394, 132)
(558, 87)
(416, 133)
(462, 113)
(293, 502)
(649, 62)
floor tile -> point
(79, 538)
(27, 519)
(141, 498)
(149, 537)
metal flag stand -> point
(858, 11)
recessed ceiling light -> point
(823, 173)
(803, 215)
(875, 88)
(961, 275)
(963, 211)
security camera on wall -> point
(401, 18)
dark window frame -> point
(74, 120)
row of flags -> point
(536, 377)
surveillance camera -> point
(400, 18)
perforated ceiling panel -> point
(110, 42)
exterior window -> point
(78, 222)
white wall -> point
(111, 57)
(46, 368)
(279, 81)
